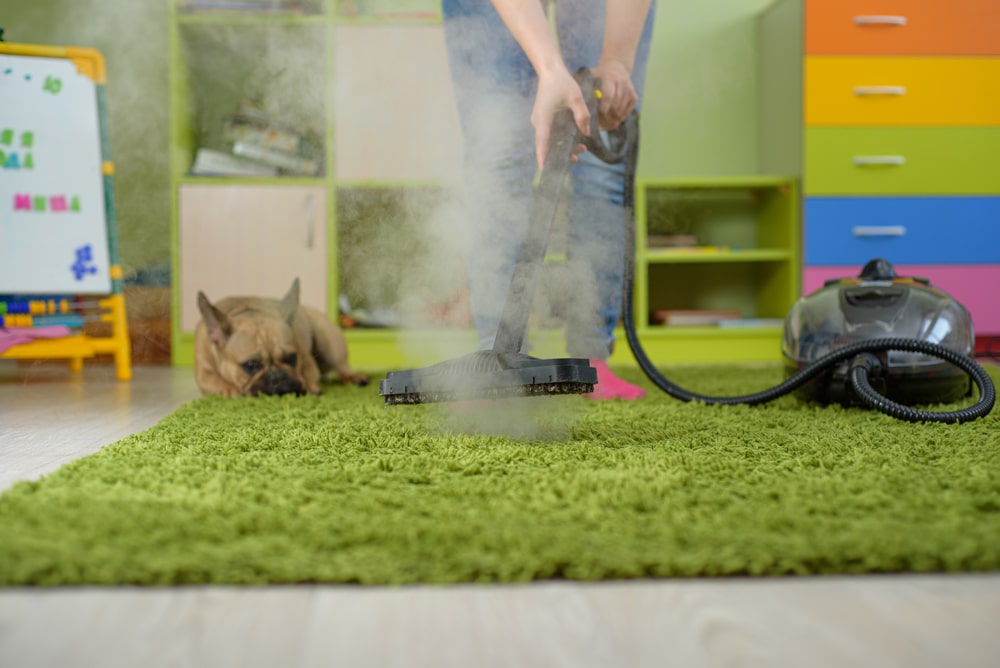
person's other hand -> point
(557, 91)
(618, 95)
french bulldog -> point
(248, 346)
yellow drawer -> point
(844, 90)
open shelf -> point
(736, 250)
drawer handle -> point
(879, 90)
(878, 230)
(879, 20)
(879, 160)
(310, 221)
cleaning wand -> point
(504, 371)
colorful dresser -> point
(900, 148)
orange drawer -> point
(904, 90)
(904, 27)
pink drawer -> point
(975, 286)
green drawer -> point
(903, 161)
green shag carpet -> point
(340, 488)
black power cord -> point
(623, 145)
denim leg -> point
(596, 234)
(494, 88)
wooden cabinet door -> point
(250, 240)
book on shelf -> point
(272, 138)
(681, 251)
(752, 322)
(250, 6)
(671, 240)
(258, 134)
(692, 317)
(287, 162)
(208, 162)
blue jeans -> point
(494, 87)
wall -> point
(700, 115)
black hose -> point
(863, 362)
(862, 365)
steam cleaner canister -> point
(879, 304)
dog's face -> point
(260, 356)
(255, 347)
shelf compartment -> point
(755, 290)
(733, 215)
(399, 255)
(748, 252)
(279, 64)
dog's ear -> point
(290, 302)
(216, 322)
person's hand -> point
(557, 90)
(618, 95)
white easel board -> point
(54, 233)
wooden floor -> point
(48, 417)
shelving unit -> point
(746, 259)
(384, 145)
(376, 93)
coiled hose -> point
(623, 146)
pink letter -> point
(57, 203)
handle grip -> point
(879, 90)
(879, 230)
(619, 139)
(879, 160)
(879, 20)
(310, 221)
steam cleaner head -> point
(488, 374)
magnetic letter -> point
(52, 85)
(57, 203)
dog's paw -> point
(358, 379)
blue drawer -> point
(903, 230)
